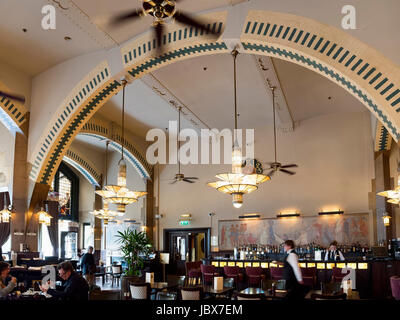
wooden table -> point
(279, 294)
(353, 296)
(210, 290)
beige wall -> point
(393, 163)
(335, 158)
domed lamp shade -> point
(5, 215)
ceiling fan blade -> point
(175, 181)
(191, 178)
(271, 173)
(288, 172)
(185, 19)
(122, 18)
(290, 166)
(12, 96)
(186, 180)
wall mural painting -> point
(321, 230)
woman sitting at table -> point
(6, 284)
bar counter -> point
(372, 275)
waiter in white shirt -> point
(292, 272)
(333, 254)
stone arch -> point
(86, 167)
(106, 130)
(360, 69)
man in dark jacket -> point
(74, 288)
(88, 266)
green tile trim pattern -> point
(151, 63)
(330, 73)
(71, 129)
(12, 115)
(142, 49)
(383, 140)
(90, 85)
(134, 156)
(84, 166)
(327, 47)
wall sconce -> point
(250, 216)
(386, 220)
(288, 215)
(5, 215)
(323, 213)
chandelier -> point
(236, 183)
(119, 194)
(44, 217)
(392, 195)
(105, 214)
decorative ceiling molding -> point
(383, 140)
(86, 167)
(80, 19)
(107, 130)
(270, 79)
(361, 70)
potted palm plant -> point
(134, 246)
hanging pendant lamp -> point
(119, 194)
(105, 214)
(236, 183)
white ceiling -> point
(209, 94)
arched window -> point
(66, 183)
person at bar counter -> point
(88, 266)
(75, 286)
(333, 254)
(292, 273)
(7, 284)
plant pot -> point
(125, 280)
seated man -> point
(74, 288)
(7, 284)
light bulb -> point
(237, 205)
(237, 199)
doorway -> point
(184, 245)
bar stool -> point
(309, 276)
(337, 275)
(276, 273)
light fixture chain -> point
(273, 108)
(234, 54)
(123, 119)
(178, 141)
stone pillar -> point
(150, 209)
(382, 182)
(98, 232)
(24, 229)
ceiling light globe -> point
(237, 200)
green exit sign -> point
(184, 222)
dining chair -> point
(116, 274)
(337, 275)
(395, 286)
(100, 272)
(254, 276)
(309, 276)
(191, 293)
(140, 291)
(208, 272)
(166, 295)
(276, 273)
(234, 273)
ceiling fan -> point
(276, 166)
(161, 10)
(14, 97)
(180, 176)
